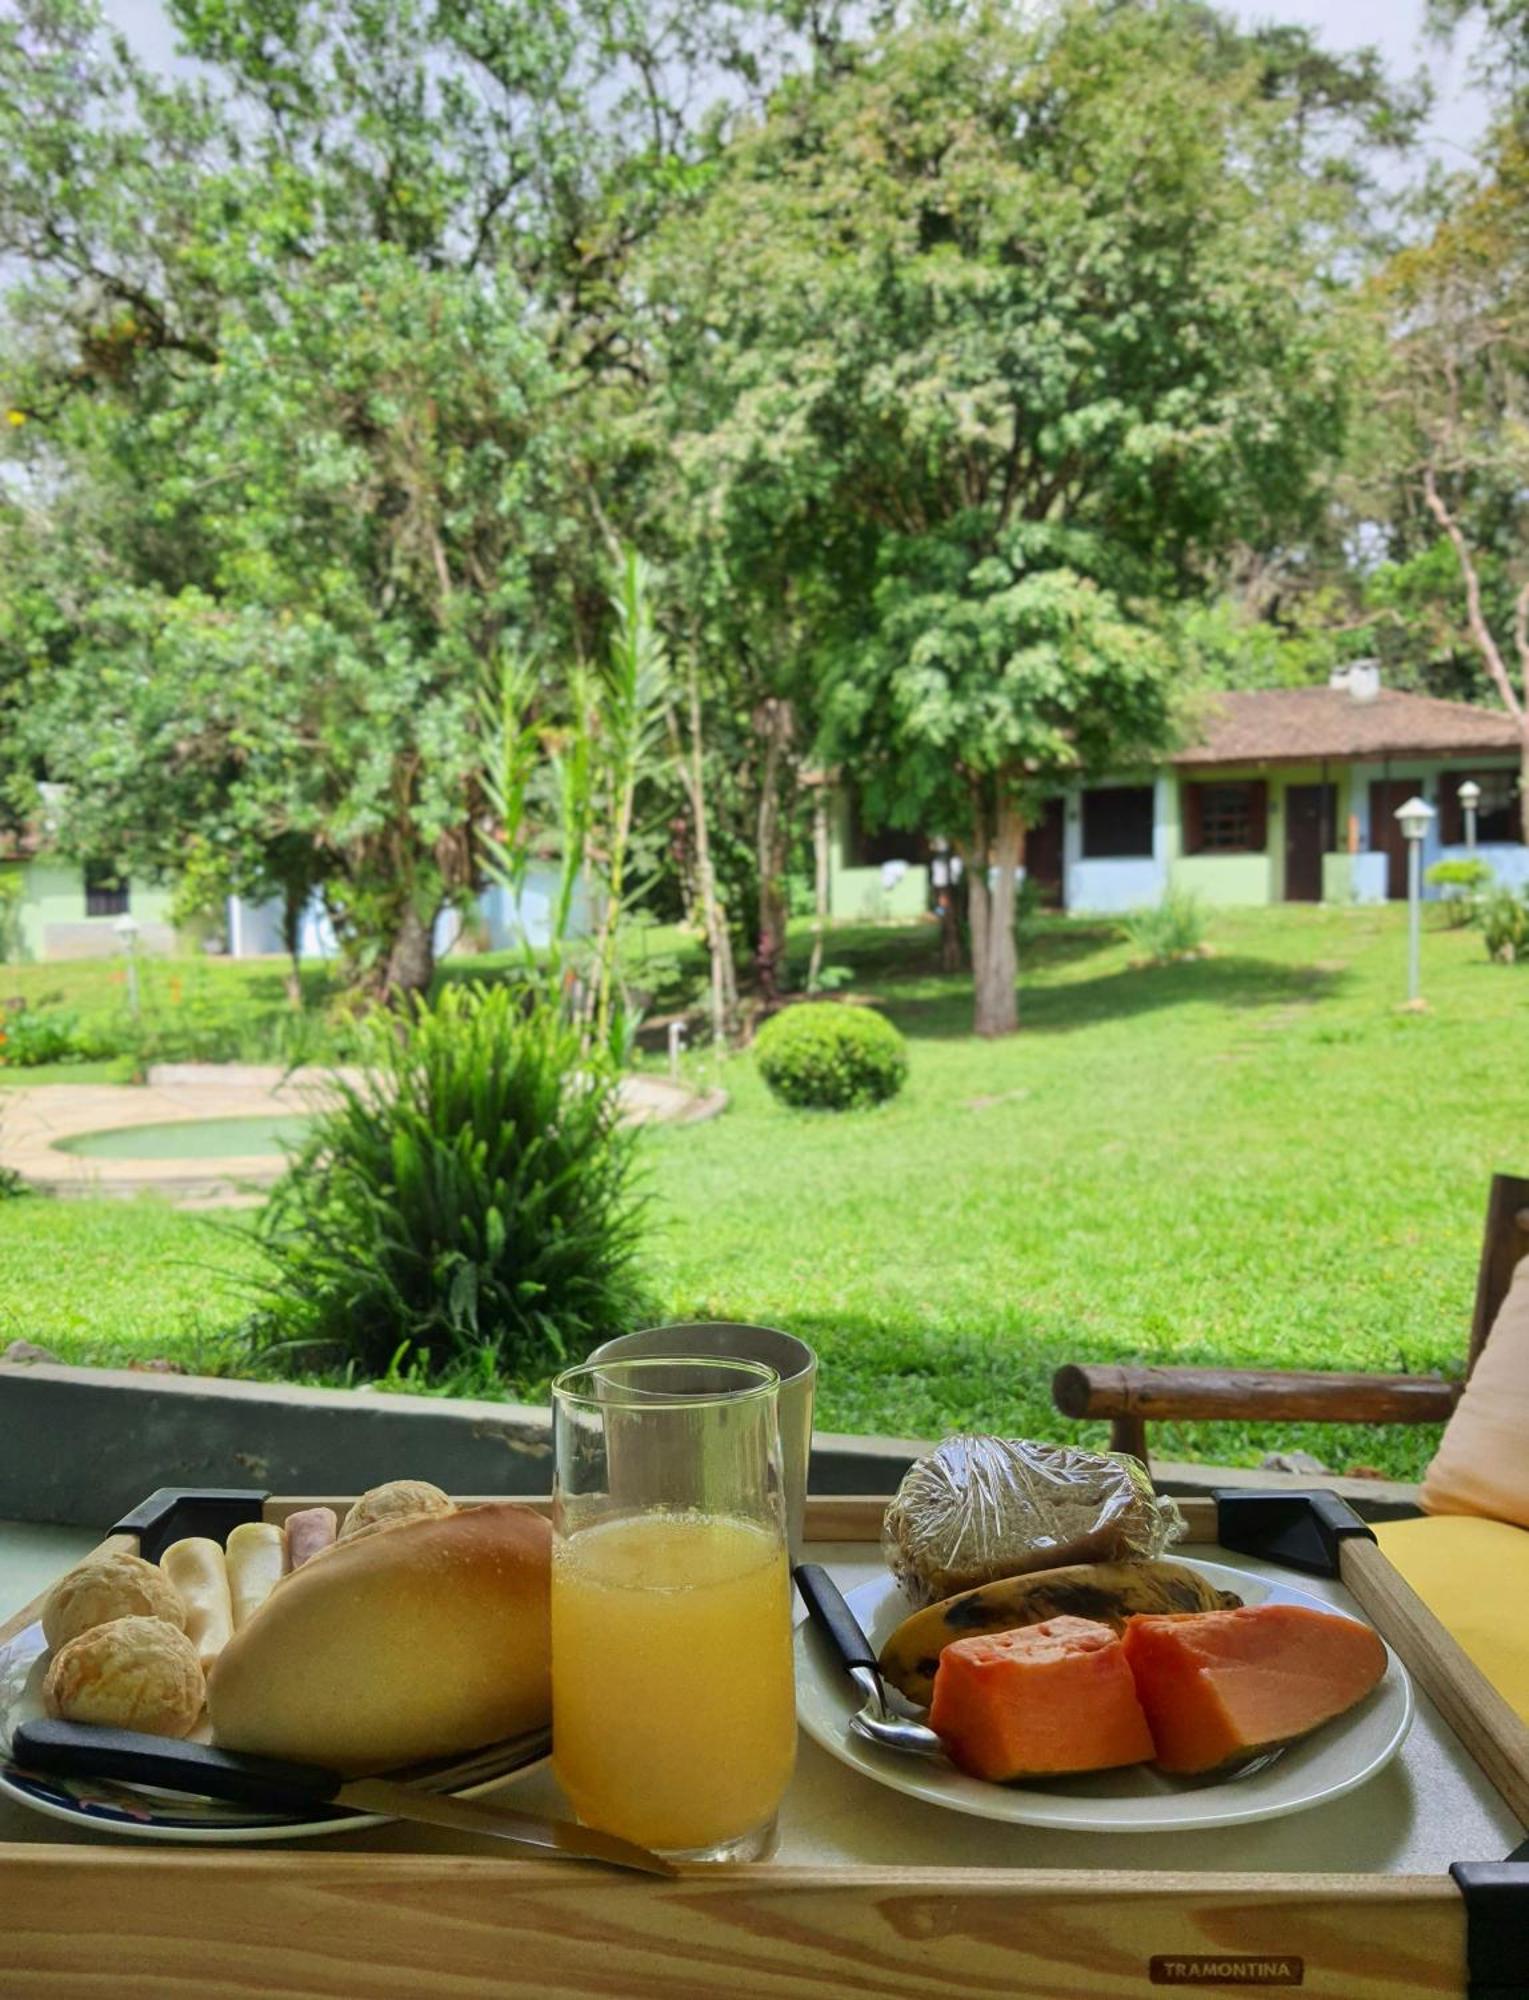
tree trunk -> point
(292, 904)
(819, 884)
(409, 964)
(774, 722)
(995, 966)
(719, 946)
(1523, 775)
(947, 901)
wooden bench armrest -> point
(1131, 1397)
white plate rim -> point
(1020, 1806)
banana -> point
(1108, 1592)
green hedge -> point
(823, 1057)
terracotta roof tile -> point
(1278, 725)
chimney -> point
(1361, 678)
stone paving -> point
(33, 1121)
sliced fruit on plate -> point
(1224, 1686)
(1039, 1701)
(1108, 1593)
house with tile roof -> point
(1277, 795)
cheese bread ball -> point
(399, 1500)
(131, 1673)
(106, 1587)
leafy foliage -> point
(1462, 883)
(822, 1057)
(999, 358)
(471, 1204)
(1503, 920)
(1173, 928)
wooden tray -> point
(381, 1918)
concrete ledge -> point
(81, 1446)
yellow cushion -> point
(1482, 1464)
(1474, 1577)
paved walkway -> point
(32, 1123)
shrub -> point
(471, 1202)
(1173, 928)
(1503, 919)
(29, 1037)
(821, 1057)
(1462, 882)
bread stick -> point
(257, 1558)
(309, 1530)
(198, 1571)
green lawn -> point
(1249, 1159)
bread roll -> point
(131, 1673)
(199, 1571)
(385, 1506)
(257, 1560)
(422, 1640)
(310, 1531)
(106, 1587)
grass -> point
(1249, 1159)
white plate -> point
(141, 1812)
(1325, 1765)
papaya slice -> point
(1038, 1702)
(1221, 1687)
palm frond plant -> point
(471, 1201)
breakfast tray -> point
(1398, 1892)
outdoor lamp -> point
(126, 928)
(1470, 798)
(1415, 816)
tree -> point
(360, 503)
(290, 350)
(1454, 408)
(1001, 358)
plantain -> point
(1108, 1592)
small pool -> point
(194, 1138)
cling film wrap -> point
(976, 1509)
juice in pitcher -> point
(674, 1716)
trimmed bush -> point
(822, 1057)
(468, 1212)
(1462, 883)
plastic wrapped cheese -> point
(979, 1508)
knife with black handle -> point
(267, 1784)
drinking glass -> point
(733, 1340)
(673, 1703)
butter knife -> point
(268, 1784)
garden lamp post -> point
(1416, 816)
(1470, 798)
(126, 928)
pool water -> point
(194, 1138)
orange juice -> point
(673, 1704)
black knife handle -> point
(79, 1750)
(832, 1616)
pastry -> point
(257, 1559)
(199, 1572)
(105, 1587)
(399, 1500)
(130, 1673)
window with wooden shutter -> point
(106, 892)
(1190, 816)
(1226, 818)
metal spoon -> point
(839, 1626)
